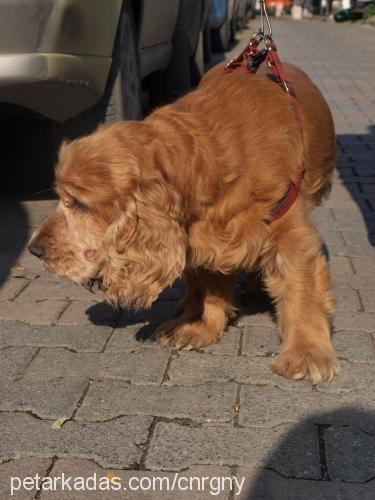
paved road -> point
(134, 408)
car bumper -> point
(58, 86)
(55, 54)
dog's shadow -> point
(167, 307)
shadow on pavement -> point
(166, 308)
(337, 463)
(13, 236)
(27, 159)
(356, 167)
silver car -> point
(60, 58)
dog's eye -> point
(74, 203)
(79, 205)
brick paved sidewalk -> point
(136, 408)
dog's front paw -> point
(190, 335)
(314, 363)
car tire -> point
(165, 86)
(197, 62)
(178, 71)
(207, 44)
(233, 28)
(221, 37)
(122, 98)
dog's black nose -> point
(36, 249)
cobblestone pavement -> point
(134, 408)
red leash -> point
(249, 60)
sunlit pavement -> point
(144, 411)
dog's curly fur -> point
(188, 192)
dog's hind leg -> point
(298, 280)
(207, 307)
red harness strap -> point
(283, 205)
(249, 60)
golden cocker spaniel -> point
(189, 191)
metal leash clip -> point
(264, 16)
(252, 57)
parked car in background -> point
(190, 48)
(197, 25)
(355, 12)
(69, 58)
(244, 10)
(226, 16)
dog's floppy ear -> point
(145, 246)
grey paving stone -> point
(175, 447)
(355, 346)
(354, 281)
(13, 361)
(110, 444)
(364, 266)
(355, 216)
(260, 341)
(22, 468)
(350, 454)
(33, 267)
(318, 214)
(11, 288)
(352, 250)
(344, 201)
(332, 237)
(132, 338)
(34, 313)
(50, 400)
(204, 403)
(352, 377)
(356, 238)
(146, 367)
(347, 299)
(255, 319)
(87, 338)
(192, 369)
(56, 288)
(228, 345)
(131, 481)
(360, 321)
(269, 485)
(368, 299)
(268, 408)
(340, 265)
